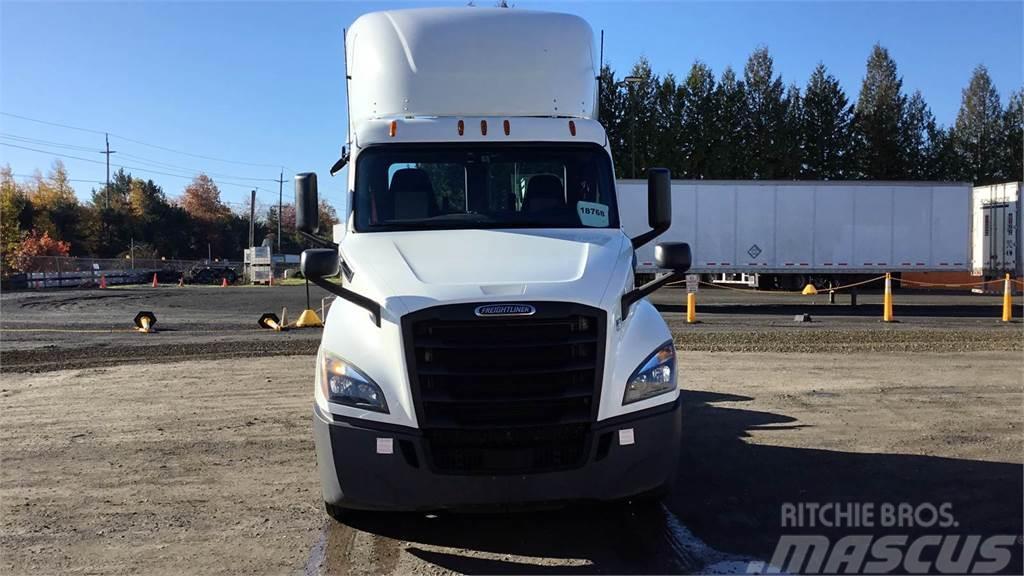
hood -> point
(407, 271)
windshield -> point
(480, 186)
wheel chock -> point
(145, 322)
(270, 321)
(308, 319)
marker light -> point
(462, 127)
(508, 127)
(394, 128)
(483, 127)
(572, 127)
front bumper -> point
(354, 474)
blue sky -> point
(261, 82)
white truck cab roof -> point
(470, 62)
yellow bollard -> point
(691, 307)
(887, 300)
(1007, 299)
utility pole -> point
(108, 152)
(252, 219)
(280, 195)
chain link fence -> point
(74, 272)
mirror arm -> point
(647, 236)
(358, 299)
(341, 163)
(631, 297)
(318, 240)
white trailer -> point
(996, 238)
(799, 231)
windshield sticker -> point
(592, 214)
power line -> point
(28, 140)
(157, 146)
(135, 168)
(142, 159)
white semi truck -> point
(488, 345)
(784, 234)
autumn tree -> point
(212, 218)
(34, 246)
(13, 203)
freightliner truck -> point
(488, 346)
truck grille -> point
(505, 395)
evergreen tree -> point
(879, 117)
(612, 114)
(698, 129)
(1013, 137)
(729, 156)
(642, 112)
(978, 133)
(668, 143)
(918, 131)
(791, 136)
(765, 117)
(826, 128)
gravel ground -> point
(206, 467)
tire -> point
(231, 276)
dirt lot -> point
(207, 467)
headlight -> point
(656, 375)
(343, 383)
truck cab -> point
(488, 346)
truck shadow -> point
(728, 493)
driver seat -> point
(412, 194)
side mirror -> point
(659, 198)
(659, 205)
(307, 205)
(674, 256)
(319, 263)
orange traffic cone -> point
(224, 283)
(155, 283)
(103, 281)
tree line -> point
(43, 217)
(700, 127)
(756, 127)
